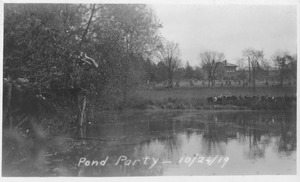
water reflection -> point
(254, 142)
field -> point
(190, 93)
(194, 97)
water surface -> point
(139, 143)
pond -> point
(169, 143)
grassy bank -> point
(196, 98)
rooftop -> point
(232, 65)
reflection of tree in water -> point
(215, 136)
(256, 148)
(259, 130)
(287, 140)
(31, 155)
(22, 156)
(153, 138)
(157, 141)
(256, 131)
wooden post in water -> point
(81, 116)
(82, 119)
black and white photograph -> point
(143, 89)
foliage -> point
(189, 71)
(198, 73)
(162, 71)
(42, 42)
(286, 64)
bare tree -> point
(265, 65)
(254, 58)
(241, 70)
(281, 60)
(210, 60)
(169, 52)
(293, 64)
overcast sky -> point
(228, 28)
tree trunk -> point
(83, 37)
(7, 90)
(249, 70)
(267, 79)
(170, 73)
(281, 73)
(171, 77)
(253, 79)
(82, 118)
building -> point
(226, 71)
(230, 70)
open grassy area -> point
(190, 93)
(196, 97)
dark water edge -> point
(256, 142)
(201, 104)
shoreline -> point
(211, 108)
(183, 106)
